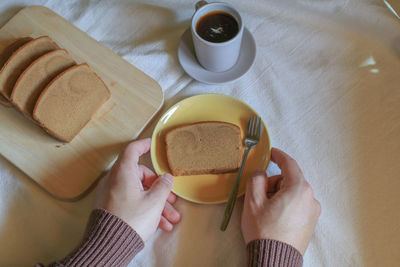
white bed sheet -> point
(326, 81)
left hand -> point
(289, 214)
(135, 194)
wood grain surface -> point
(67, 171)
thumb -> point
(256, 188)
(161, 188)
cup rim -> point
(193, 27)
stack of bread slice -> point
(43, 82)
(5, 55)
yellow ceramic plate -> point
(211, 188)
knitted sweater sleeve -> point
(272, 253)
(108, 241)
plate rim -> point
(154, 134)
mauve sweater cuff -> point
(271, 253)
(108, 241)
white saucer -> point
(189, 63)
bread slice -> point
(69, 102)
(10, 49)
(5, 55)
(204, 148)
(21, 59)
(34, 78)
(4, 101)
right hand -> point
(288, 213)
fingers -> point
(134, 150)
(161, 188)
(169, 217)
(171, 214)
(171, 198)
(274, 184)
(289, 167)
(165, 225)
(318, 208)
(147, 177)
(126, 166)
(256, 188)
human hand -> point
(135, 194)
(288, 213)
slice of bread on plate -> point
(35, 77)
(207, 147)
(21, 59)
(69, 102)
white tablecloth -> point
(327, 83)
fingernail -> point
(169, 177)
(259, 172)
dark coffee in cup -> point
(217, 30)
(217, 27)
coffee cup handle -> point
(200, 4)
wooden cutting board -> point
(67, 171)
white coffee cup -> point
(216, 57)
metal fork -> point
(392, 6)
(252, 138)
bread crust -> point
(68, 62)
(7, 76)
(6, 54)
(4, 101)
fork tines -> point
(254, 127)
